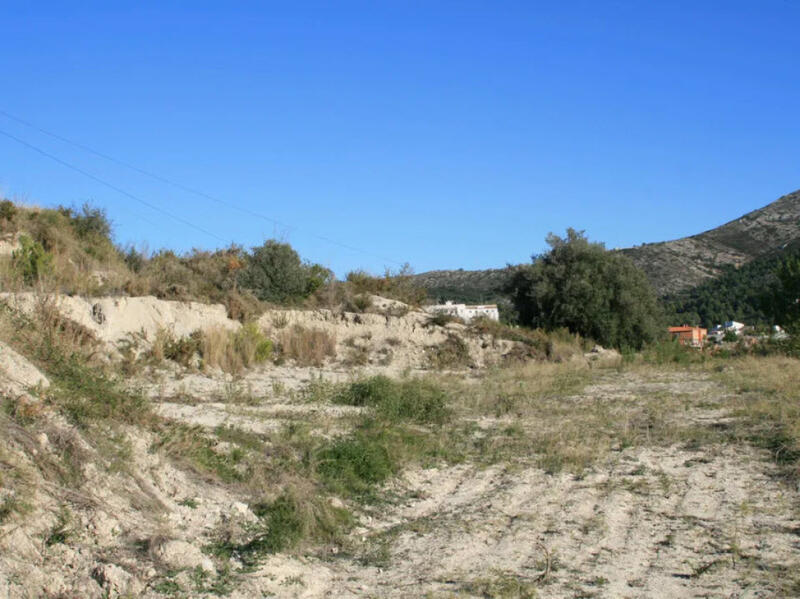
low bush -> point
(398, 285)
(441, 319)
(452, 353)
(415, 400)
(183, 349)
(31, 262)
(306, 347)
(8, 214)
(283, 523)
(232, 351)
(353, 465)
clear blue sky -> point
(445, 134)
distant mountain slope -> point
(683, 263)
(470, 286)
(671, 266)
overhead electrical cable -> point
(112, 186)
(188, 189)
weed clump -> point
(415, 400)
(31, 261)
(353, 465)
(307, 347)
(282, 524)
(450, 353)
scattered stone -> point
(116, 581)
(179, 555)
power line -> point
(111, 186)
(186, 188)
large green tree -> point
(275, 273)
(580, 285)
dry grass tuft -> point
(307, 347)
(234, 351)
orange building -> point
(686, 335)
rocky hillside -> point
(471, 286)
(670, 265)
(683, 263)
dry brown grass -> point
(767, 401)
(233, 351)
(307, 347)
(568, 415)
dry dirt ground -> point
(670, 521)
(574, 481)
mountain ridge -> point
(671, 266)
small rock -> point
(179, 555)
(116, 581)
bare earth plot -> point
(697, 517)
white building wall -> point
(466, 312)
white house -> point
(734, 326)
(718, 332)
(465, 311)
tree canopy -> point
(275, 273)
(580, 285)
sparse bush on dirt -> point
(31, 261)
(306, 347)
(441, 319)
(356, 355)
(415, 400)
(397, 285)
(233, 351)
(772, 411)
(358, 303)
(449, 354)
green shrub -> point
(8, 213)
(355, 464)
(183, 349)
(275, 273)
(251, 343)
(415, 400)
(31, 260)
(282, 527)
(88, 222)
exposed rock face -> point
(396, 336)
(112, 319)
(178, 555)
(675, 265)
(9, 243)
(116, 581)
(17, 374)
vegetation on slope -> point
(753, 294)
(71, 251)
